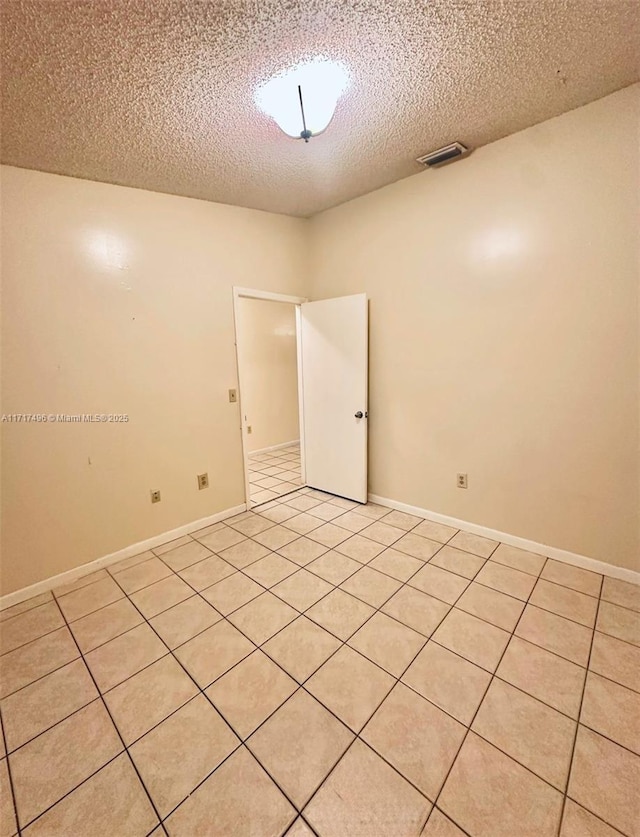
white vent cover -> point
(440, 156)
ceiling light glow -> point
(303, 99)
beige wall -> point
(504, 330)
(267, 354)
(118, 300)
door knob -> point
(359, 414)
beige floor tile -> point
(491, 795)
(171, 545)
(476, 544)
(532, 733)
(617, 660)
(238, 799)
(271, 569)
(370, 586)
(222, 537)
(612, 710)
(441, 826)
(276, 537)
(419, 611)
(621, 593)
(555, 633)
(299, 745)
(443, 585)
(506, 580)
(350, 686)
(360, 549)
(23, 607)
(29, 662)
(578, 579)
(329, 535)
(184, 621)
(388, 643)
(42, 704)
(149, 697)
(300, 829)
(472, 638)
(232, 592)
(105, 624)
(90, 598)
(250, 692)
(344, 504)
(115, 661)
(210, 654)
(352, 521)
(417, 738)
(615, 800)
(185, 555)
(402, 520)
(544, 675)
(251, 524)
(302, 551)
(340, 613)
(435, 531)
(205, 573)
(301, 648)
(373, 510)
(161, 596)
(326, 511)
(54, 763)
(28, 626)
(132, 561)
(498, 608)
(112, 801)
(302, 589)
(365, 796)
(396, 564)
(261, 618)
(208, 530)
(444, 678)
(303, 503)
(8, 824)
(578, 822)
(383, 533)
(302, 523)
(135, 578)
(565, 602)
(619, 622)
(417, 546)
(333, 567)
(457, 561)
(519, 559)
(279, 513)
(179, 753)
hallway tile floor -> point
(319, 667)
(274, 473)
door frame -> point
(267, 296)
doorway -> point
(302, 368)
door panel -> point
(334, 354)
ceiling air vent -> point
(443, 155)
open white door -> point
(334, 354)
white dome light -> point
(302, 100)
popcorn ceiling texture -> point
(158, 94)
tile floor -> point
(324, 668)
(274, 474)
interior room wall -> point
(119, 301)
(504, 330)
(267, 353)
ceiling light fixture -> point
(303, 99)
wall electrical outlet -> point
(155, 497)
(233, 396)
(461, 481)
(203, 481)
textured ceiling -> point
(158, 94)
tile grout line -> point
(11, 785)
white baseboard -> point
(106, 560)
(513, 540)
(275, 447)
